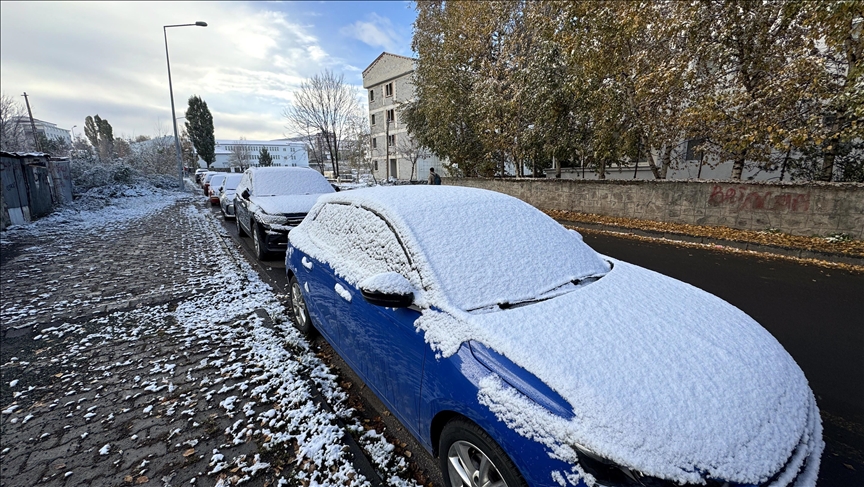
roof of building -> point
(381, 56)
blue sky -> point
(85, 58)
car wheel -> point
(469, 457)
(298, 308)
(260, 250)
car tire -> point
(461, 450)
(261, 252)
(299, 313)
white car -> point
(226, 194)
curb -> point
(795, 253)
(361, 462)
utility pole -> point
(32, 124)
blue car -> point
(517, 355)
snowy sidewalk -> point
(134, 352)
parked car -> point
(270, 201)
(213, 188)
(518, 355)
(205, 181)
(226, 194)
(198, 174)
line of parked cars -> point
(518, 355)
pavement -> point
(138, 348)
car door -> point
(241, 205)
(380, 344)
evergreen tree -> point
(101, 136)
(199, 125)
(264, 158)
(91, 131)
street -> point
(816, 313)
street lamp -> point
(73, 132)
(171, 92)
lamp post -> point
(171, 92)
(73, 133)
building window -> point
(375, 165)
(388, 89)
(371, 95)
(391, 115)
(391, 139)
(373, 119)
(374, 143)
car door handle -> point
(306, 263)
(342, 292)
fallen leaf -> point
(142, 480)
(189, 452)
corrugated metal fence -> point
(33, 184)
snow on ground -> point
(203, 379)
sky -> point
(75, 59)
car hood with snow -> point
(285, 204)
(679, 383)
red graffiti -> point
(744, 198)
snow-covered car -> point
(198, 173)
(213, 188)
(205, 181)
(226, 194)
(517, 354)
(270, 201)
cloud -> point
(109, 58)
(378, 31)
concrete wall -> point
(796, 208)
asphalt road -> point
(816, 313)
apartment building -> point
(388, 81)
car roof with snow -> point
(482, 248)
(271, 181)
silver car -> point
(226, 194)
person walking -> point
(433, 177)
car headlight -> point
(267, 219)
(610, 474)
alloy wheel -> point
(468, 466)
(298, 305)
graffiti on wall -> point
(744, 198)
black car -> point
(270, 201)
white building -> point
(283, 152)
(48, 129)
(389, 81)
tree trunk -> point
(601, 169)
(828, 157)
(738, 168)
(666, 161)
(653, 165)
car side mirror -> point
(389, 289)
(245, 194)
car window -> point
(358, 243)
(245, 183)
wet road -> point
(817, 314)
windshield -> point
(286, 181)
(501, 251)
(232, 181)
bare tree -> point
(239, 156)
(11, 128)
(324, 107)
(408, 148)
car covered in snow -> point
(518, 355)
(205, 181)
(213, 188)
(270, 201)
(226, 194)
